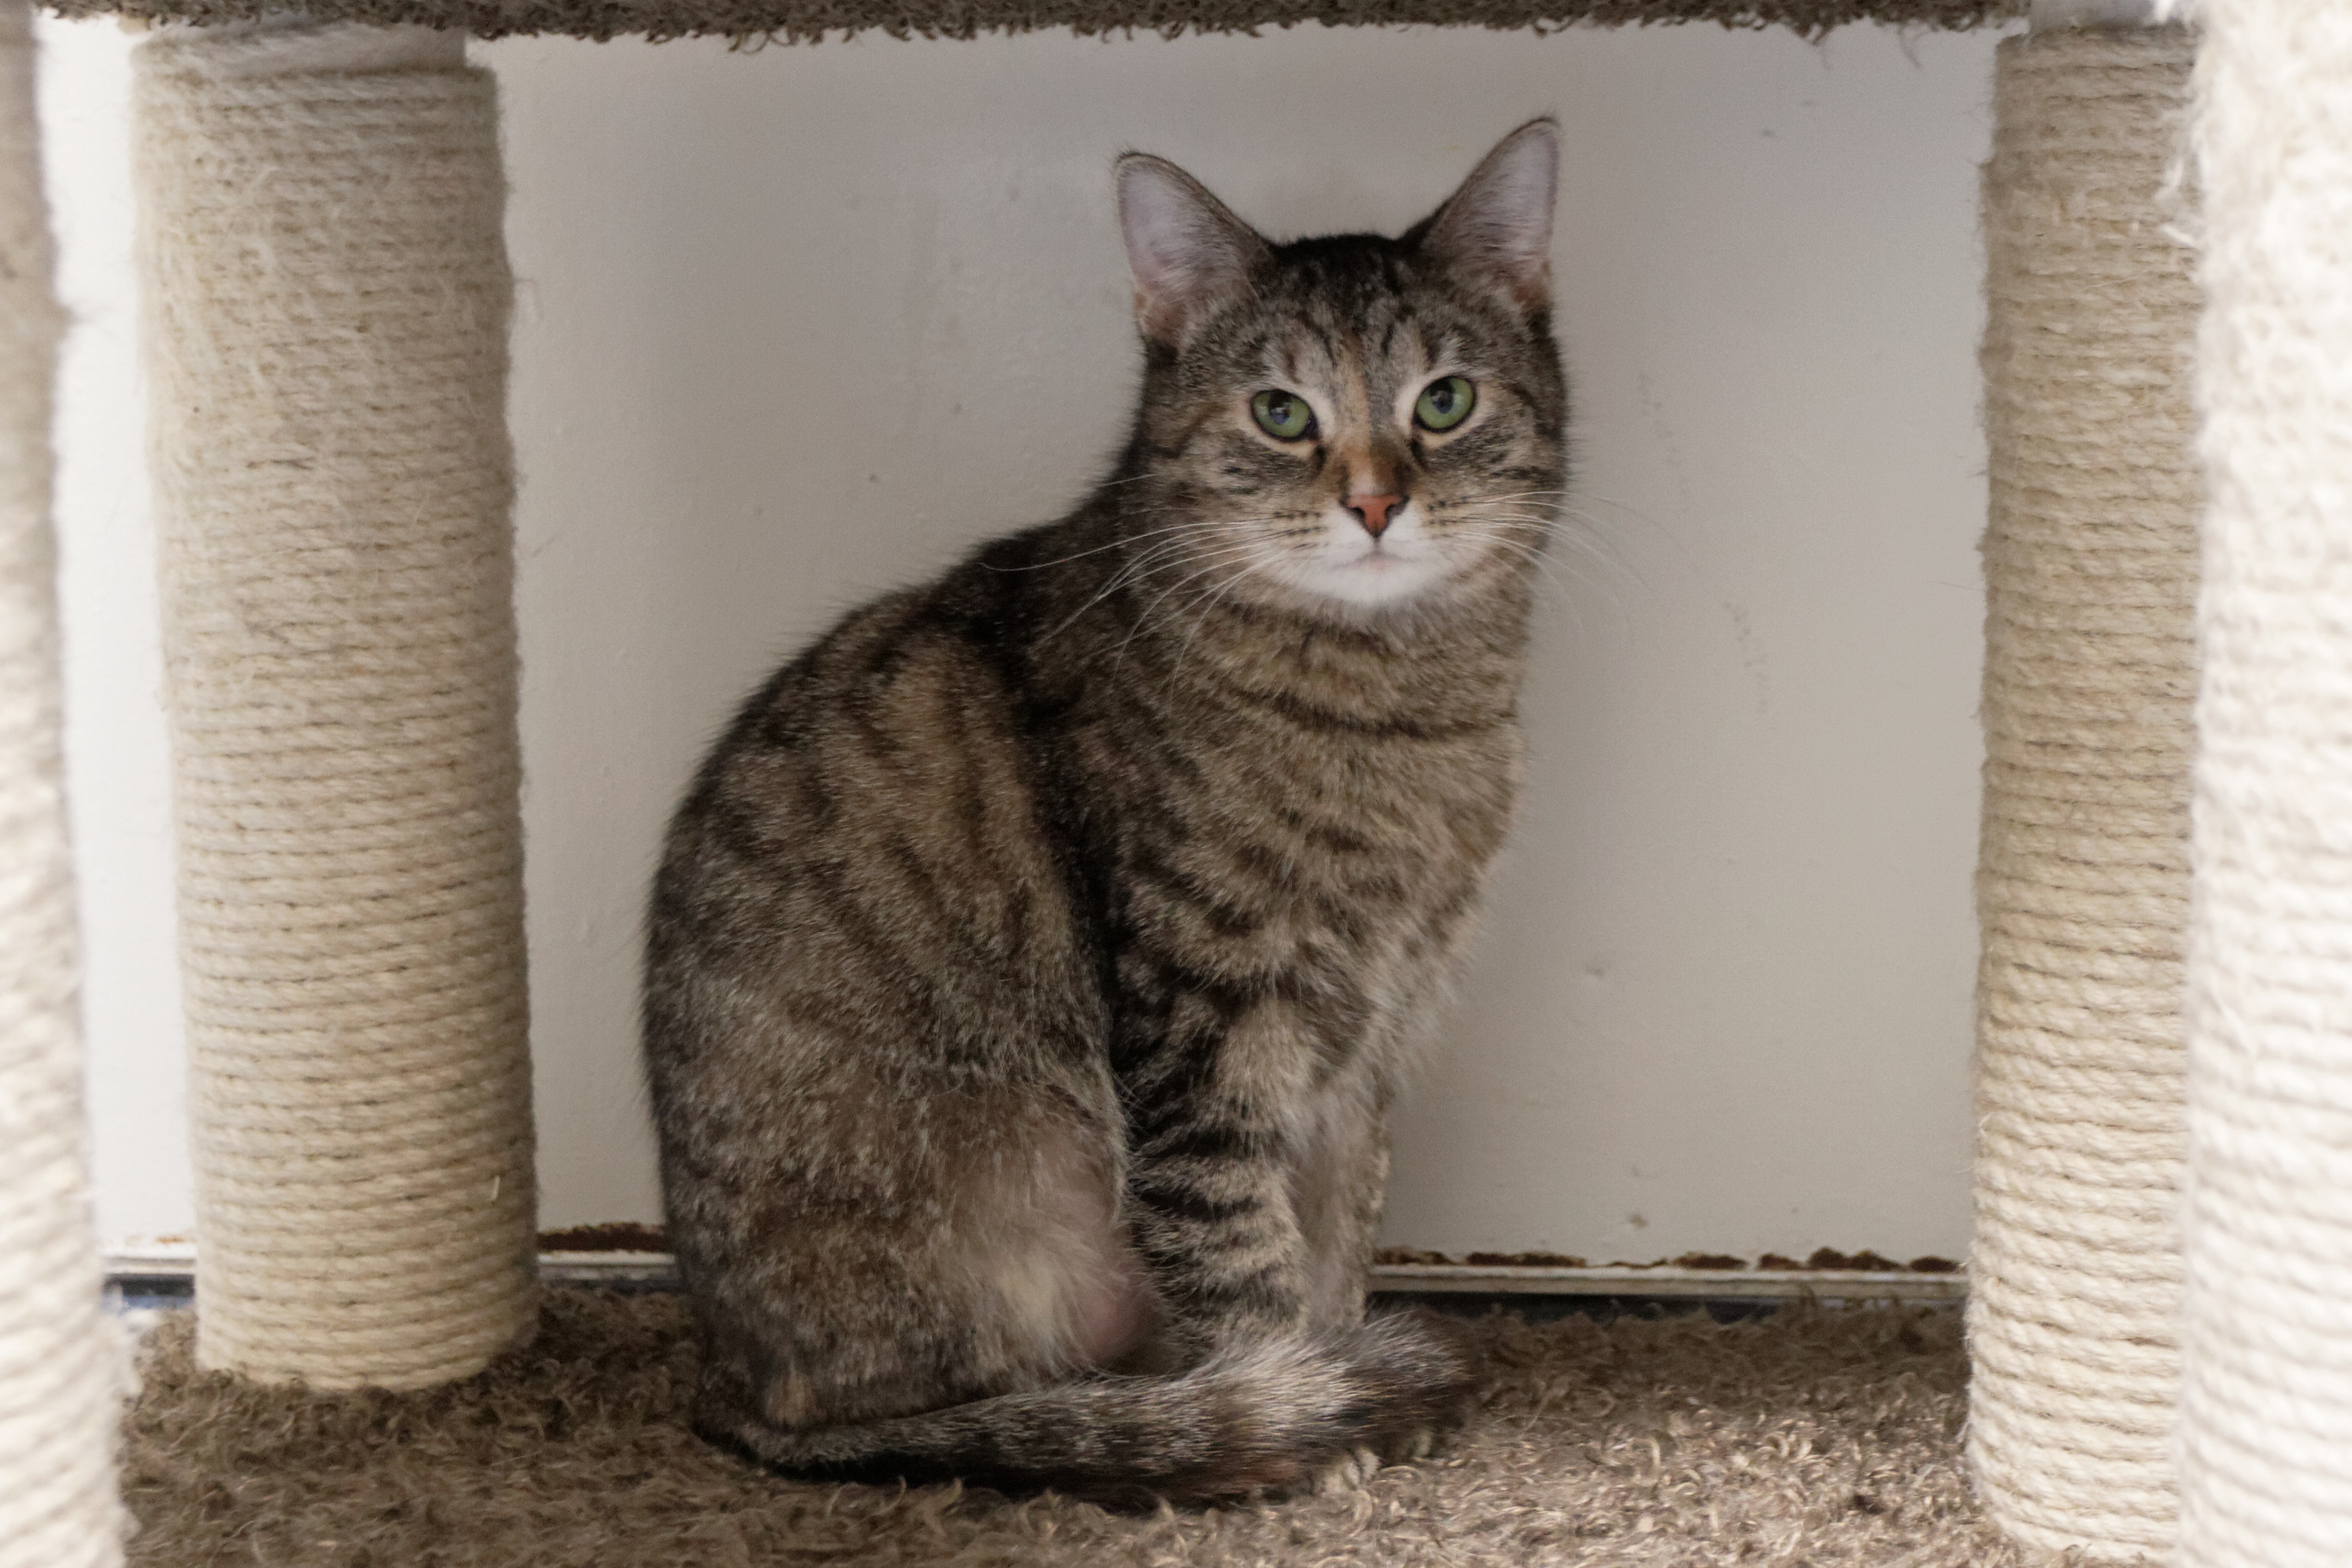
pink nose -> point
(1373, 512)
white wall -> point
(800, 323)
(116, 755)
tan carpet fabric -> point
(804, 19)
(1829, 1439)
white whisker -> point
(1143, 617)
(1206, 611)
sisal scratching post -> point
(59, 1385)
(2082, 886)
(2267, 1388)
(327, 298)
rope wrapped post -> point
(2267, 1393)
(327, 298)
(59, 1377)
(2083, 888)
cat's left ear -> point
(1188, 252)
(1497, 229)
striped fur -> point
(1033, 960)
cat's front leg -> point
(1213, 1113)
(1338, 1189)
(1253, 1180)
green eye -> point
(1283, 415)
(1444, 403)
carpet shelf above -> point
(805, 20)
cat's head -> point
(1351, 424)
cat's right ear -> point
(1187, 251)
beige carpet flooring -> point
(1822, 1437)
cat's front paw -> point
(1349, 1473)
(1355, 1468)
(1412, 1447)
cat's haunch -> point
(1033, 962)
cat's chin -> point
(1371, 584)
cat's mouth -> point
(1377, 571)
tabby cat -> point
(1033, 962)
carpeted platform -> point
(1823, 1437)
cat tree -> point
(57, 1377)
(2089, 561)
(327, 299)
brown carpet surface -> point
(1823, 1437)
(806, 19)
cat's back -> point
(877, 824)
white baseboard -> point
(178, 1261)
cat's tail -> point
(1277, 1418)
